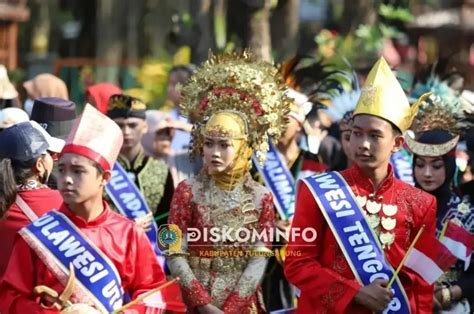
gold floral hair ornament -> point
(241, 83)
(436, 115)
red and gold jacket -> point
(321, 271)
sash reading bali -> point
(59, 243)
(131, 203)
(280, 181)
(353, 234)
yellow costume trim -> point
(431, 150)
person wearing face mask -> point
(25, 165)
(434, 166)
(236, 103)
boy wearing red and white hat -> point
(110, 255)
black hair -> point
(13, 173)
(100, 171)
(184, 71)
(6, 103)
(97, 166)
(395, 130)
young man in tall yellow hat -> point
(364, 217)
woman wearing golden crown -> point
(365, 218)
(437, 130)
(236, 103)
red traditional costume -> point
(238, 99)
(98, 138)
(231, 283)
(320, 269)
(116, 236)
(40, 201)
(322, 273)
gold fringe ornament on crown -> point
(435, 114)
(238, 82)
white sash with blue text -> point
(353, 234)
(130, 202)
(59, 243)
(402, 167)
(279, 181)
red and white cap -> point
(95, 136)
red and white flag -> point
(430, 258)
(460, 242)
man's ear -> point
(106, 176)
(399, 141)
(144, 127)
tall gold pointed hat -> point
(382, 96)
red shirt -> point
(40, 201)
(321, 271)
(116, 236)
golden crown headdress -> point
(238, 82)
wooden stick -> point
(405, 257)
(144, 296)
(443, 231)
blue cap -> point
(22, 142)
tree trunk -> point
(284, 28)
(134, 14)
(259, 35)
(110, 37)
(202, 18)
(250, 21)
(357, 12)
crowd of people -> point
(207, 208)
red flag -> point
(430, 258)
(459, 242)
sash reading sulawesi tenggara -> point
(130, 202)
(279, 181)
(353, 234)
(59, 243)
